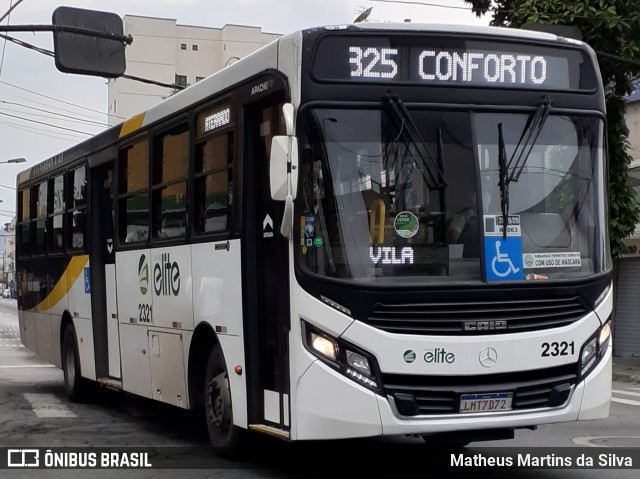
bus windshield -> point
(415, 197)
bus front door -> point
(103, 274)
(266, 272)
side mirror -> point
(278, 165)
(283, 169)
(283, 161)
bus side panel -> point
(44, 336)
(56, 321)
(217, 300)
(59, 304)
(79, 288)
(28, 330)
(170, 276)
(79, 294)
(134, 286)
(84, 333)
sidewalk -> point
(626, 369)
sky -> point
(30, 85)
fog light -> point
(605, 333)
(324, 346)
(359, 362)
(589, 353)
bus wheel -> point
(222, 432)
(75, 386)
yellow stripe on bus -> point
(132, 124)
(65, 283)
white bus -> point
(356, 231)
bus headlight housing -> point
(594, 349)
(350, 360)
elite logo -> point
(166, 276)
(409, 356)
(143, 274)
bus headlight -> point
(359, 362)
(594, 348)
(350, 360)
(324, 345)
(605, 334)
(588, 356)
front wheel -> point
(218, 409)
(75, 386)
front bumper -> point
(330, 406)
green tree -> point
(612, 29)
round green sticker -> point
(318, 241)
(406, 224)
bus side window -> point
(55, 225)
(170, 170)
(24, 222)
(78, 208)
(133, 211)
(214, 171)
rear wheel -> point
(218, 409)
(75, 386)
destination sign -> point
(452, 61)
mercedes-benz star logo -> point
(488, 357)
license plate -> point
(485, 402)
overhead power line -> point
(11, 9)
(22, 105)
(43, 132)
(47, 124)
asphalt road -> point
(35, 413)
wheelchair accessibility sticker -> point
(503, 256)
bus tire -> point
(223, 434)
(75, 386)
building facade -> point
(627, 279)
(9, 258)
(167, 52)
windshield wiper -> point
(509, 173)
(503, 181)
(532, 132)
(411, 135)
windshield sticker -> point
(309, 229)
(552, 260)
(493, 225)
(503, 258)
(406, 224)
(318, 241)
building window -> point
(181, 80)
(194, 48)
(199, 79)
(183, 46)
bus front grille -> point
(432, 395)
(476, 317)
